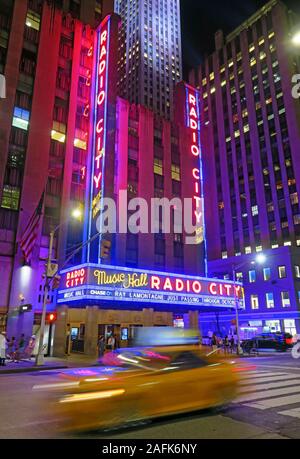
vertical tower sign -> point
(193, 123)
(101, 144)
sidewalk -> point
(51, 363)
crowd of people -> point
(16, 349)
(228, 344)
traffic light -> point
(105, 248)
(56, 281)
(51, 317)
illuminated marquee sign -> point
(193, 122)
(101, 97)
(103, 282)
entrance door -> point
(110, 330)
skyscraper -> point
(251, 137)
(150, 59)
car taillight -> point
(289, 340)
(244, 368)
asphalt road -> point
(268, 407)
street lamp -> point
(51, 271)
(296, 38)
(260, 259)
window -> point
(20, 118)
(285, 299)
(158, 166)
(281, 272)
(270, 300)
(175, 172)
(267, 274)
(254, 302)
(239, 277)
(58, 131)
(252, 276)
(297, 271)
(33, 20)
(10, 197)
(290, 326)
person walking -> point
(12, 347)
(3, 347)
(226, 345)
(21, 348)
(101, 346)
(111, 342)
(214, 341)
(232, 345)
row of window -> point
(270, 303)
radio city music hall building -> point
(66, 130)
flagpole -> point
(40, 355)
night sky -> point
(202, 18)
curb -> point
(31, 369)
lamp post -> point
(296, 38)
(51, 271)
(260, 259)
(239, 349)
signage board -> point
(120, 284)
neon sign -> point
(104, 282)
(75, 278)
(97, 148)
(193, 122)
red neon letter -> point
(155, 282)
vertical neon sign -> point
(193, 122)
(98, 146)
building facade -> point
(251, 134)
(150, 56)
(67, 139)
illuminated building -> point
(64, 127)
(150, 59)
(251, 135)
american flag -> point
(29, 236)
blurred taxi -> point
(141, 383)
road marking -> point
(270, 378)
(269, 386)
(281, 367)
(295, 413)
(268, 394)
(274, 402)
(260, 374)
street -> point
(268, 407)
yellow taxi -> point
(139, 383)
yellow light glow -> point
(92, 396)
(296, 39)
(76, 213)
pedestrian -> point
(12, 347)
(214, 342)
(21, 348)
(30, 347)
(3, 347)
(232, 346)
(101, 346)
(226, 344)
(111, 342)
